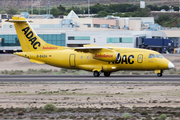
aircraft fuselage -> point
(129, 60)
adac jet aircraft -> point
(93, 58)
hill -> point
(68, 3)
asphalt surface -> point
(49, 78)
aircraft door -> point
(72, 62)
(140, 58)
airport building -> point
(73, 31)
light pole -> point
(179, 5)
(88, 9)
(39, 6)
(32, 7)
(49, 7)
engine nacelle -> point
(107, 56)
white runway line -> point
(94, 78)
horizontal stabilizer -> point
(15, 21)
(36, 61)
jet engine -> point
(107, 56)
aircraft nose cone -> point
(170, 65)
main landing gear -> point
(107, 74)
(97, 74)
(160, 74)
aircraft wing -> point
(94, 49)
(98, 47)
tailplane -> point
(28, 38)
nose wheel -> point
(96, 74)
(159, 74)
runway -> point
(49, 78)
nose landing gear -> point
(160, 74)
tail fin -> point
(28, 38)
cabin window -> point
(81, 57)
(87, 57)
(151, 56)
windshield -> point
(155, 56)
(159, 56)
(151, 56)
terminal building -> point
(73, 31)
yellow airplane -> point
(93, 58)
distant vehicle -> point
(163, 10)
(172, 10)
(93, 58)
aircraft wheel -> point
(159, 74)
(107, 74)
(96, 74)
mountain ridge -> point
(43, 3)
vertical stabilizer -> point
(28, 38)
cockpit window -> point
(151, 56)
(159, 56)
(155, 56)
